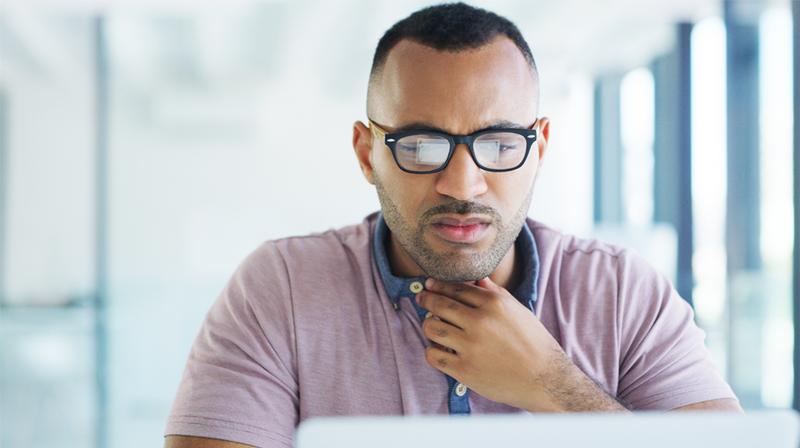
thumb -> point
(486, 282)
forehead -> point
(457, 91)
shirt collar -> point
(399, 287)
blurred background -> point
(147, 147)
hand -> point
(501, 350)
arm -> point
(573, 391)
(239, 383)
(723, 404)
(567, 389)
(664, 363)
(199, 442)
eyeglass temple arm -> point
(376, 129)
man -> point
(449, 300)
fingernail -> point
(429, 283)
(416, 298)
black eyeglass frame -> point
(390, 140)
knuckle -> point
(433, 327)
(435, 358)
(430, 354)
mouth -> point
(462, 230)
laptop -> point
(758, 429)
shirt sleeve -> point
(664, 363)
(240, 382)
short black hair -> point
(450, 27)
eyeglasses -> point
(423, 151)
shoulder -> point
(555, 240)
(297, 269)
(319, 248)
(580, 266)
(564, 252)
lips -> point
(450, 221)
(460, 231)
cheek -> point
(409, 192)
(512, 188)
(415, 191)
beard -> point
(452, 266)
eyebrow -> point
(422, 126)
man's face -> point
(460, 93)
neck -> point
(506, 274)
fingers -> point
(442, 360)
(443, 333)
(445, 308)
(466, 293)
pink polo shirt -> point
(304, 328)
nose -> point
(462, 179)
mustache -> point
(460, 208)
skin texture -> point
(459, 92)
(501, 350)
(456, 264)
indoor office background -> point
(147, 147)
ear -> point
(543, 136)
(362, 145)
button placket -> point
(458, 400)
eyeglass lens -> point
(428, 152)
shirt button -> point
(416, 287)
(461, 389)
